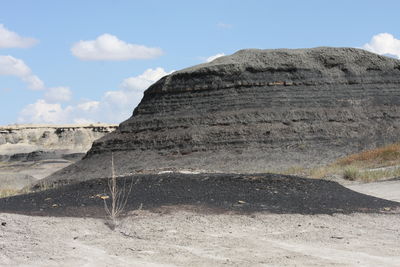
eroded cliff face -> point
(31, 152)
(68, 138)
(256, 111)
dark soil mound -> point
(222, 192)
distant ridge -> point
(32, 126)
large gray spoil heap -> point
(255, 111)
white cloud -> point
(143, 81)
(43, 112)
(384, 44)
(16, 67)
(83, 121)
(224, 25)
(13, 66)
(58, 94)
(118, 105)
(89, 106)
(33, 82)
(9, 39)
(109, 47)
(209, 59)
(114, 106)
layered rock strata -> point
(256, 111)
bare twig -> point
(119, 195)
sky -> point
(74, 61)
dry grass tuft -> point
(371, 165)
(9, 192)
(383, 156)
(351, 173)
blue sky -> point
(89, 61)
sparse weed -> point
(367, 166)
(383, 156)
(9, 192)
(294, 170)
(351, 173)
(374, 175)
(324, 171)
(119, 196)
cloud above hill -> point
(109, 47)
(114, 106)
(10, 39)
(43, 112)
(58, 94)
(384, 44)
(11, 66)
(211, 58)
(144, 80)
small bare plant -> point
(119, 195)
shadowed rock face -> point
(254, 111)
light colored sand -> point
(11, 149)
(386, 189)
(184, 238)
(37, 170)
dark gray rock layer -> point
(256, 111)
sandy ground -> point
(386, 189)
(17, 175)
(38, 170)
(180, 237)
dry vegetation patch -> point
(8, 192)
(380, 157)
(368, 166)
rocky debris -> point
(255, 111)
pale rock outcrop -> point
(68, 138)
(31, 152)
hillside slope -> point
(256, 111)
